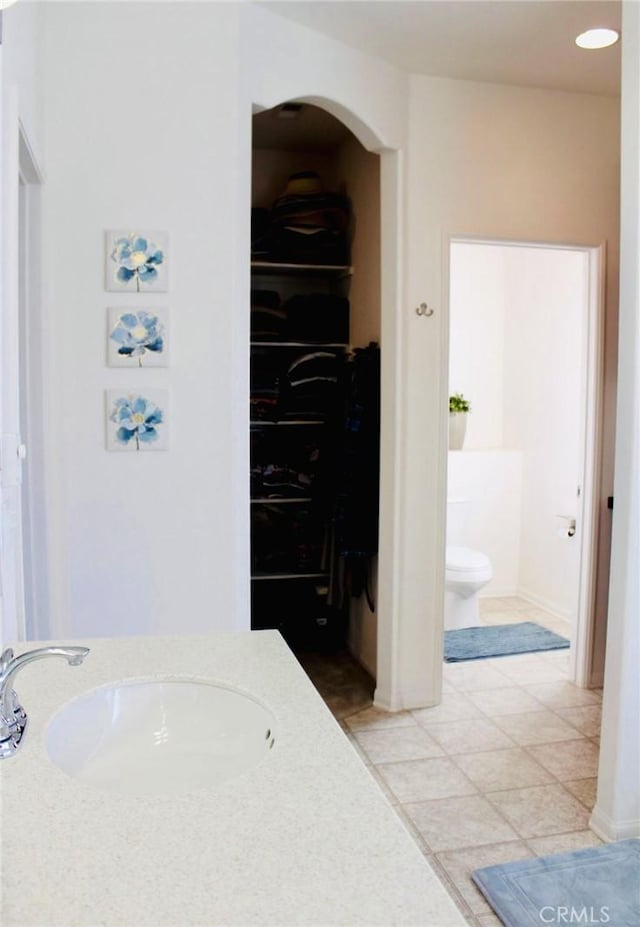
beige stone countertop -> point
(304, 838)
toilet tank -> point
(457, 511)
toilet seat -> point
(465, 560)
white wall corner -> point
(617, 811)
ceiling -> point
(523, 42)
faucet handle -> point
(5, 659)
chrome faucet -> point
(13, 718)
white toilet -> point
(467, 571)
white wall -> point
(21, 61)
(499, 162)
(141, 113)
(160, 542)
(616, 815)
(20, 113)
(477, 304)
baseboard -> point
(540, 602)
(610, 831)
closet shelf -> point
(268, 576)
(296, 421)
(299, 344)
(279, 500)
(302, 270)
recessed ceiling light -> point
(597, 38)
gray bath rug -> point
(599, 885)
(499, 640)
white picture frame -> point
(138, 337)
(137, 420)
(136, 261)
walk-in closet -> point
(315, 394)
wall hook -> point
(424, 309)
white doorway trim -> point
(391, 681)
(589, 503)
(22, 374)
(32, 365)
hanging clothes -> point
(357, 508)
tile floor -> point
(503, 769)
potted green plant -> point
(459, 407)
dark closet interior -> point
(315, 382)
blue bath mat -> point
(499, 640)
(600, 885)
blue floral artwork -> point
(137, 420)
(137, 338)
(137, 261)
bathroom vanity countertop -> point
(304, 838)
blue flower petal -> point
(155, 418)
(156, 258)
(124, 274)
(129, 319)
(125, 350)
(149, 435)
(124, 436)
(157, 345)
(120, 335)
(139, 405)
(139, 244)
(147, 273)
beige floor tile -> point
(424, 780)
(459, 864)
(539, 615)
(474, 674)
(573, 759)
(493, 604)
(511, 661)
(372, 718)
(508, 701)
(561, 694)
(503, 769)
(455, 706)
(586, 719)
(454, 823)
(556, 657)
(399, 743)
(541, 810)
(564, 843)
(469, 736)
(491, 619)
(515, 602)
(356, 746)
(584, 790)
(537, 727)
(531, 671)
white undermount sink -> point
(159, 737)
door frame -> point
(21, 179)
(589, 504)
